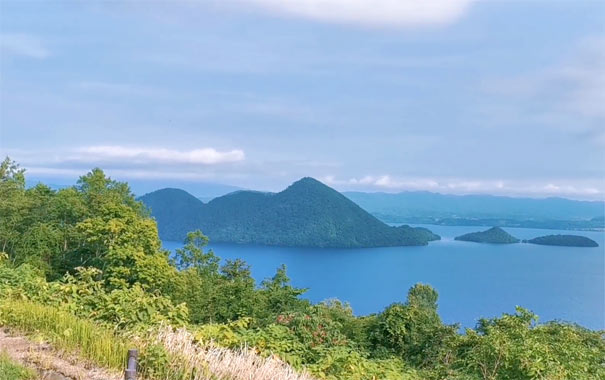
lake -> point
(473, 280)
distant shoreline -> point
(587, 226)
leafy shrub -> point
(514, 346)
(83, 294)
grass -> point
(9, 370)
(66, 331)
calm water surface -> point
(473, 280)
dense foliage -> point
(494, 235)
(90, 256)
(308, 213)
(564, 240)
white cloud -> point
(23, 44)
(371, 12)
(126, 174)
(583, 189)
(205, 156)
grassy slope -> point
(66, 331)
(164, 352)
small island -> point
(564, 241)
(494, 235)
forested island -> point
(494, 235)
(83, 269)
(306, 214)
(564, 241)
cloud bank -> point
(204, 156)
(580, 189)
(370, 12)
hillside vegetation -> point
(494, 235)
(308, 214)
(83, 268)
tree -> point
(279, 296)
(13, 205)
(413, 330)
(236, 296)
(192, 255)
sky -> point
(450, 96)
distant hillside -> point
(308, 213)
(434, 208)
(175, 210)
(564, 240)
(494, 235)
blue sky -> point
(456, 96)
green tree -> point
(13, 205)
(236, 297)
(192, 255)
(413, 330)
(279, 296)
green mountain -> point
(494, 235)
(175, 211)
(564, 240)
(306, 214)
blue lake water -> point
(473, 280)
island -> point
(306, 214)
(494, 235)
(564, 241)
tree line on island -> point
(497, 235)
(83, 268)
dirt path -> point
(49, 363)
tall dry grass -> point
(205, 361)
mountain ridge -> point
(433, 208)
(305, 214)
